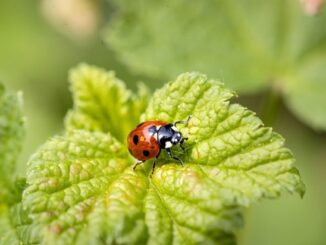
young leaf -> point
(82, 189)
(250, 44)
(14, 224)
(11, 137)
(16, 228)
(308, 101)
(228, 142)
(7, 232)
(102, 103)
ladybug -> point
(147, 140)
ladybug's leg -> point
(168, 150)
(136, 164)
(154, 163)
(181, 144)
(182, 122)
(153, 167)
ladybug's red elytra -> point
(148, 139)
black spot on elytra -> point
(146, 153)
(135, 139)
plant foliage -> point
(81, 189)
(250, 44)
(14, 222)
(11, 137)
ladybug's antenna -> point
(183, 122)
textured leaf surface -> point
(102, 102)
(250, 44)
(82, 190)
(14, 224)
(227, 141)
(16, 228)
(11, 137)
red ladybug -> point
(148, 139)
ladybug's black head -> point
(168, 136)
(176, 137)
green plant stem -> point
(271, 107)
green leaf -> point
(11, 137)
(228, 142)
(250, 44)
(308, 100)
(102, 103)
(15, 225)
(81, 188)
(16, 228)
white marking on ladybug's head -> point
(168, 144)
(176, 138)
(174, 128)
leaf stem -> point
(271, 106)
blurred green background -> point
(41, 40)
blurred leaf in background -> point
(251, 45)
(35, 58)
(289, 221)
(12, 132)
